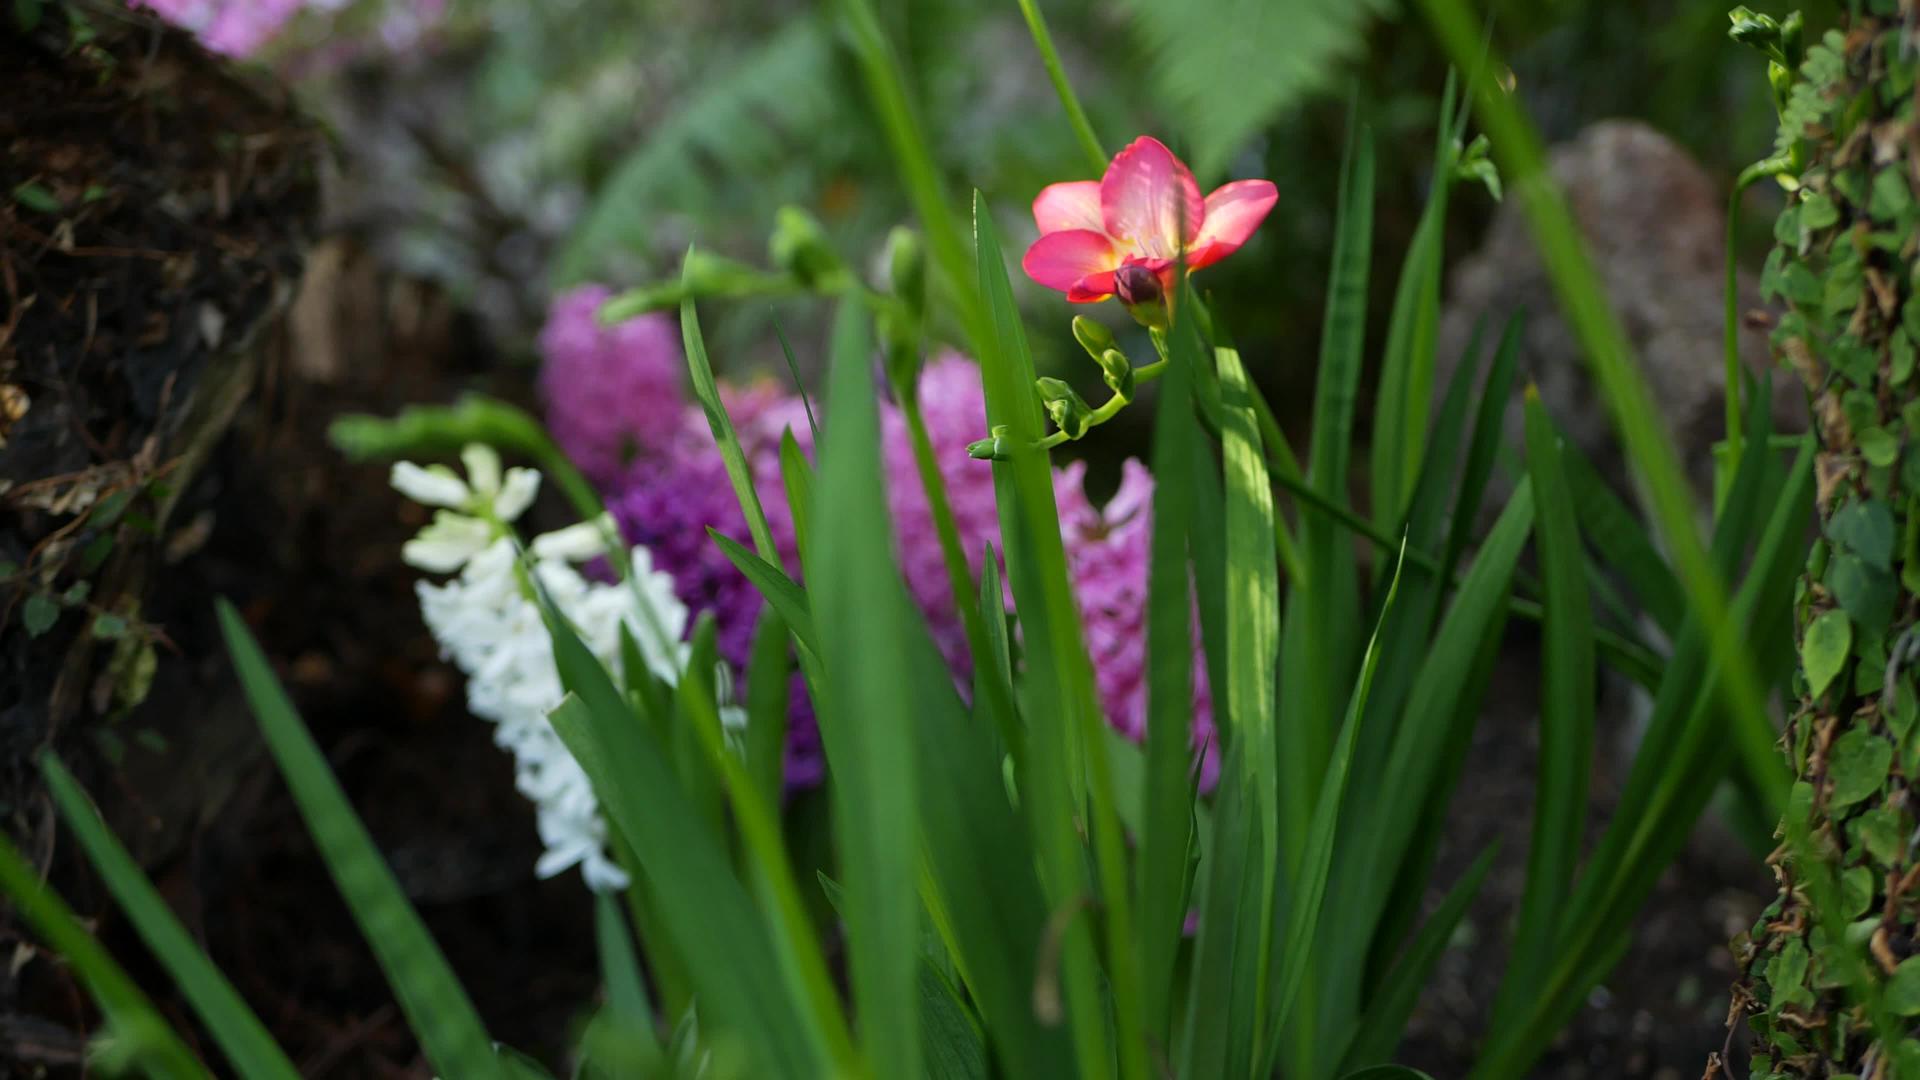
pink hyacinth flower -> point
(1145, 213)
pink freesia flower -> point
(1124, 233)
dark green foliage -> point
(1825, 974)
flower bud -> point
(1136, 285)
(907, 268)
(1069, 411)
(899, 336)
(799, 246)
(1139, 289)
(993, 448)
(1093, 336)
(1117, 371)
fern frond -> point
(740, 121)
(1223, 69)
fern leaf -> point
(1222, 69)
(741, 121)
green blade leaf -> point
(436, 1005)
(134, 1027)
(1253, 632)
(241, 1036)
(865, 725)
(1566, 716)
(1323, 639)
(1166, 833)
(782, 593)
(1385, 1019)
(769, 693)
(1059, 683)
(797, 477)
(1309, 883)
(707, 393)
(715, 928)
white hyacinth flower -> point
(472, 511)
(488, 624)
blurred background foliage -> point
(525, 147)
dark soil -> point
(1664, 1008)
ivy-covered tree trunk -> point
(1831, 972)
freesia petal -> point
(1091, 289)
(432, 486)
(1148, 198)
(1059, 259)
(1233, 212)
(1074, 204)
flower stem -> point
(1111, 407)
(1043, 41)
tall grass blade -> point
(1064, 777)
(1166, 831)
(868, 720)
(1309, 884)
(1566, 715)
(769, 699)
(1323, 611)
(796, 476)
(132, 1021)
(717, 930)
(707, 392)
(241, 1036)
(1393, 1001)
(435, 1004)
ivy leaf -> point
(1903, 988)
(1857, 766)
(1856, 891)
(1864, 592)
(1878, 830)
(1787, 974)
(1823, 651)
(39, 614)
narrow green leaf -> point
(620, 968)
(1484, 444)
(866, 725)
(134, 1027)
(799, 387)
(701, 904)
(714, 926)
(436, 1005)
(1623, 544)
(707, 393)
(241, 1036)
(1166, 833)
(782, 593)
(1387, 1072)
(769, 692)
(1566, 716)
(1385, 1019)
(1218, 1034)
(1253, 632)
(1060, 684)
(797, 477)
(1435, 719)
(1315, 867)
(1323, 638)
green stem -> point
(1082, 129)
(1111, 407)
(1736, 413)
(960, 577)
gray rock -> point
(1655, 224)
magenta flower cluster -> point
(614, 408)
(241, 28)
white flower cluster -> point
(488, 624)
